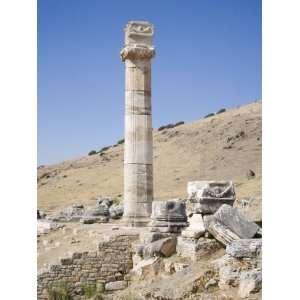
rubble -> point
(196, 227)
(244, 248)
(196, 249)
(236, 222)
(168, 216)
(164, 247)
(208, 196)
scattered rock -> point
(221, 233)
(164, 247)
(236, 222)
(210, 283)
(196, 249)
(196, 227)
(250, 282)
(250, 174)
(116, 285)
(244, 248)
(104, 201)
(150, 237)
(116, 211)
(208, 196)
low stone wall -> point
(109, 263)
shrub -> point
(179, 123)
(221, 111)
(121, 142)
(104, 149)
(209, 115)
(92, 152)
(60, 292)
(92, 290)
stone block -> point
(208, 196)
(196, 249)
(196, 227)
(250, 282)
(116, 285)
(236, 222)
(168, 216)
(149, 237)
(221, 233)
(164, 247)
(244, 248)
(138, 139)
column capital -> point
(137, 52)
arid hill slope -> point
(222, 147)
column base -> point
(135, 221)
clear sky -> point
(208, 56)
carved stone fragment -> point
(208, 196)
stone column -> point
(138, 169)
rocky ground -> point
(221, 147)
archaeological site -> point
(169, 214)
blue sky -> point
(208, 56)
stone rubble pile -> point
(104, 210)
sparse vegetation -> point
(92, 290)
(92, 152)
(222, 110)
(209, 115)
(121, 142)
(168, 126)
(104, 149)
(59, 292)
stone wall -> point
(109, 263)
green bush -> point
(92, 152)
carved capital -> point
(136, 52)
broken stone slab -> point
(164, 247)
(220, 232)
(196, 227)
(250, 282)
(231, 218)
(69, 214)
(208, 196)
(149, 266)
(116, 285)
(231, 268)
(116, 211)
(94, 219)
(196, 249)
(150, 237)
(106, 201)
(168, 216)
(244, 248)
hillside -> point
(221, 147)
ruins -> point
(138, 169)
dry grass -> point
(221, 147)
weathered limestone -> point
(208, 196)
(196, 227)
(168, 216)
(138, 156)
(164, 247)
(236, 222)
(221, 233)
(244, 248)
(250, 282)
(195, 249)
